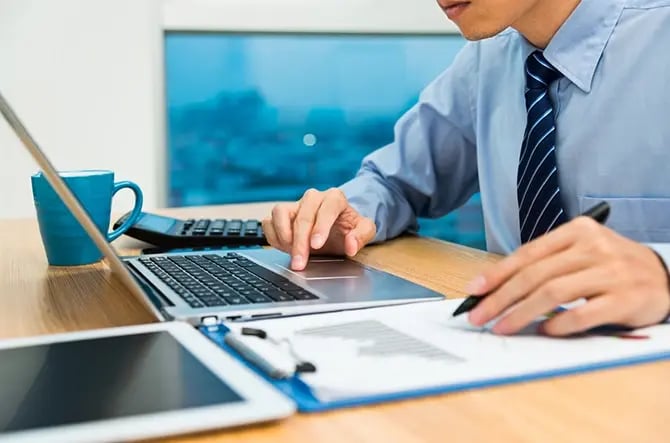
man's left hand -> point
(622, 281)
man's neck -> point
(542, 21)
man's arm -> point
(431, 166)
(428, 170)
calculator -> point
(172, 233)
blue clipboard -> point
(301, 394)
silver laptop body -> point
(326, 284)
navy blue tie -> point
(539, 197)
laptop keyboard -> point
(219, 280)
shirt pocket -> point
(641, 219)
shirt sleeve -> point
(430, 168)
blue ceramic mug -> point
(65, 241)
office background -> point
(216, 101)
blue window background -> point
(263, 117)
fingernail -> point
(475, 317)
(298, 262)
(499, 330)
(476, 285)
(353, 251)
(317, 241)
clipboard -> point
(301, 393)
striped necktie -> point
(539, 197)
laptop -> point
(206, 288)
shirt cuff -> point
(662, 251)
(392, 216)
(365, 206)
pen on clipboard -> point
(267, 354)
(599, 213)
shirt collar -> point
(577, 46)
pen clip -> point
(269, 354)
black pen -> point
(599, 213)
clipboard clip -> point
(268, 354)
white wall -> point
(422, 16)
(85, 76)
(81, 75)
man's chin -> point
(474, 33)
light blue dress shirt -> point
(465, 133)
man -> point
(557, 105)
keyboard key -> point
(236, 300)
(182, 291)
(244, 262)
(238, 285)
(288, 286)
(235, 224)
(264, 288)
(251, 228)
(266, 274)
(218, 224)
(214, 301)
(257, 297)
(225, 292)
(278, 295)
(202, 224)
(303, 295)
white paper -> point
(417, 346)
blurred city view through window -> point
(263, 117)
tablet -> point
(126, 383)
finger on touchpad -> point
(327, 268)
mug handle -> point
(137, 210)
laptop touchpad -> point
(330, 268)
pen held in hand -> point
(468, 304)
(599, 213)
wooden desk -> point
(623, 405)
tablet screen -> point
(108, 377)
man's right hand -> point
(321, 222)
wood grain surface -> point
(629, 404)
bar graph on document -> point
(375, 339)
(356, 357)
